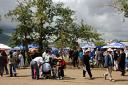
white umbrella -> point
(2, 46)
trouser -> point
(87, 68)
(60, 72)
(1, 70)
(6, 69)
(12, 68)
(122, 69)
(100, 63)
(75, 62)
(115, 65)
(109, 72)
(34, 67)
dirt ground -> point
(73, 76)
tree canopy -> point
(121, 5)
(40, 20)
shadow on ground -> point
(121, 80)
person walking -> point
(108, 64)
(86, 64)
(121, 59)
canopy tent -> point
(125, 43)
(114, 45)
(21, 47)
(89, 46)
(3, 46)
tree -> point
(47, 19)
(100, 43)
(44, 16)
(63, 25)
(85, 32)
(121, 5)
(23, 15)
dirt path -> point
(73, 77)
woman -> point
(108, 64)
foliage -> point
(40, 20)
(22, 14)
(121, 5)
(100, 43)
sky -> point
(97, 13)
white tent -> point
(89, 46)
(3, 46)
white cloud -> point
(96, 13)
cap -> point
(109, 49)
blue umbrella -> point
(114, 45)
(33, 46)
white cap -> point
(109, 49)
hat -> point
(109, 49)
(88, 50)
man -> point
(86, 64)
(75, 58)
(122, 57)
(108, 64)
(35, 65)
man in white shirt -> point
(35, 65)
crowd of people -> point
(51, 64)
(13, 60)
(111, 59)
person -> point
(12, 63)
(21, 58)
(3, 53)
(115, 57)
(35, 66)
(75, 58)
(47, 56)
(126, 60)
(80, 54)
(70, 54)
(86, 64)
(1, 65)
(122, 57)
(108, 64)
(99, 57)
(59, 65)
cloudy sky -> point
(105, 19)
